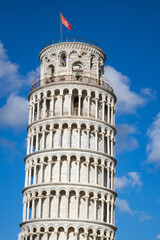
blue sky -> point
(129, 34)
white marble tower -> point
(70, 165)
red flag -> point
(65, 22)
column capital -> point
(77, 160)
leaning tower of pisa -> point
(70, 165)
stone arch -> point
(62, 204)
(51, 70)
(93, 104)
(74, 136)
(44, 204)
(72, 204)
(77, 69)
(99, 171)
(73, 53)
(65, 135)
(91, 205)
(56, 135)
(92, 137)
(63, 168)
(90, 234)
(81, 235)
(100, 106)
(82, 204)
(100, 139)
(62, 59)
(75, 100)
(84, 102)
(73, 169)
(57, 102)
(83, 136)
(54, 169)
(66, 99)
(45, 175)
(92, 170)
(71, 233)
(52, 204)
(83, 170)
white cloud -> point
(158, 236)
(153, 146)
(148, 92)
(14, 112)
(143, 216)
(135, 179)
(125, 139)
(128, 100)
(129, 180)
(123, 206)
(19, 236)
(10, 78)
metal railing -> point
(71, 39)
(69, 79)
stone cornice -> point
(73, 117)
(71, 150)
(72, 45)
(69, 184)
(97, 223)
(74, 83)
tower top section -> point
(72, 60)
(72, 39)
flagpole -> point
(60, 25)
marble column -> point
(96, 111)
(44, 108)
(79, 105)
(52, 105)
(96, 140)
(78, 170)
(79, 137)
(33, 207)
(69, 137)
(88, 138)
(95, 208)
(88, 108)
(70, 104)
(38, 108)
(103, 110)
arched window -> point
(76, 102)
(75, 105)
(63, 59)
(77, 69)
(77, 66)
